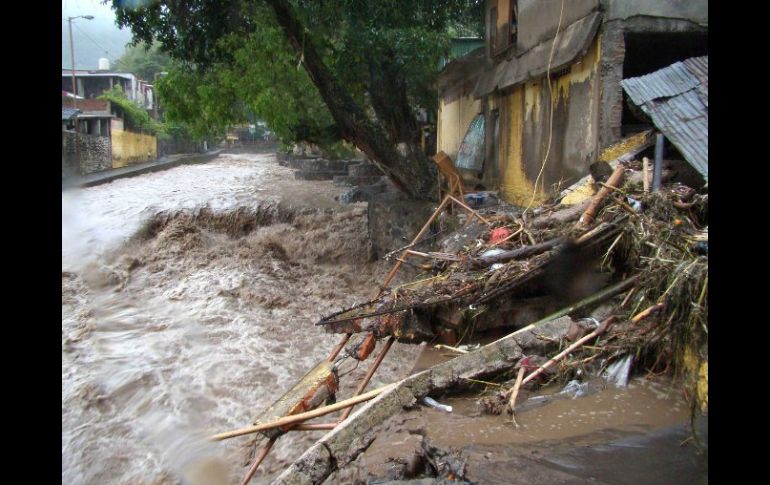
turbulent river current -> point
(188, 302)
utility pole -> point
(74, 88)
(72, 53)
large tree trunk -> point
(411, 174)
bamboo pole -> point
(369, 375)
(606, 293)
(472, 212)
(600, 330)
(515, 394)
(614, 181)
(339, 347)
(425, 227)
(298, 418)
(258, 460)
(314, 427)
(646, 312)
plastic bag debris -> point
(617, 373)
(635, 204)
(435, 404)
(575, 388)
(492, 252)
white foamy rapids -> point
(98, 219)
(200, 324)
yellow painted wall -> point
(453, 121)
(525, 129)
(129, 148)
(514, 186)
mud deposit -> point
(188, 298)
(635, 435)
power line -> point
(110, 56)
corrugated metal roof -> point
(68, 113)
(676, 98)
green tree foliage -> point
(204, 102)
(134, 115)
(144, 60)
(319, 71)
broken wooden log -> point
(519, 253)
(345, 442)
(563, 215)
(434, 255)
(646, 175)
(615, 180)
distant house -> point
(546, 86)
(86, 136)
(93, 117)
(94, 138)
(91, 83)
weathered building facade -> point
(547, 85)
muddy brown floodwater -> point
(188, 298)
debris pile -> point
(516, 266)
(617, 281)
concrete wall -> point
(172, 145)
(538, 19)
(524, 130)
(453, 121)
(82, 154)
(129, 147)
(696, 11)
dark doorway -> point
(647, 52)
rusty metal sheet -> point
(676, 98)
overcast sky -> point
(93, 39)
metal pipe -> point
(657, 171)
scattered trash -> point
(496, 266)
(492, 252)
(435, 404)
(474, 200)
(499, 234)
(635, 204)
(469, 347)
(575, 388)
(617, 373)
